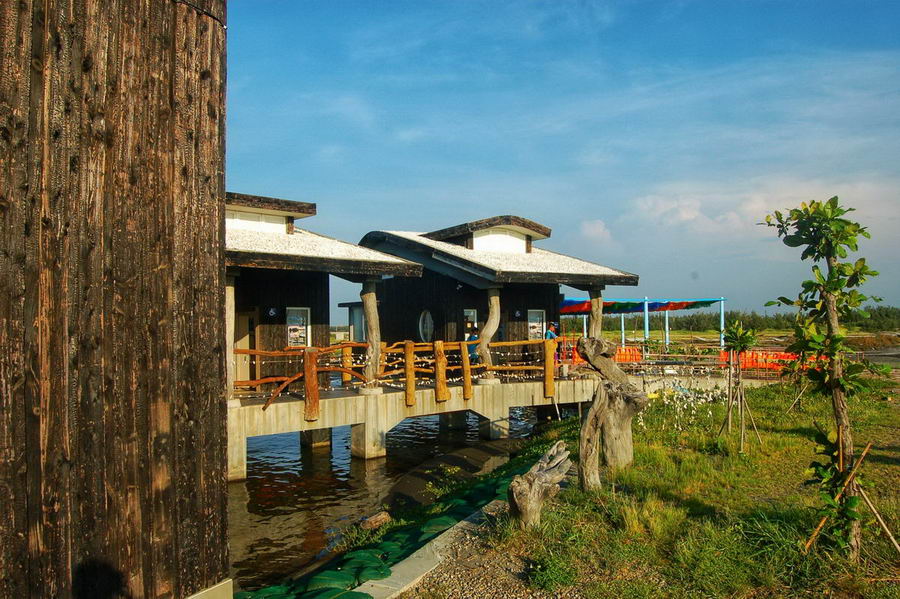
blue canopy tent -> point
(582, 306)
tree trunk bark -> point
(839, 406)
(373, 332)
(589, 441)
(490, 329)
(624, 401)
(595, 325)
(527, 493)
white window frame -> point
(422, 336)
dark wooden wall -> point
(276, 288)
(402, 299)
(112, 419)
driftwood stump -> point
(589, 441)
(608, 424)
(527, 493)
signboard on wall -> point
(298, 327)
(537, 324)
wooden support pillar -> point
(441, 390)
(229, 337)
(409, 372)
(373, 332)
(466, 368)
(595, 326)
(311, 384)
(490, 329)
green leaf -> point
(439, 524)
(364, 557)
(332, 579)
(335, 594)
(373, 573)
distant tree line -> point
(881, 318)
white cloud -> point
(597, 231)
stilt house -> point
(277, 291)
(486, 273)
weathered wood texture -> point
(527, 493)
(623, 402)
(490, 328)
(112, 419)
(375, 351)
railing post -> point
(311, 384)
(466, 370)
(441, 390)
(549, 367)
(346, 362)
(409, 369)
(382, 359)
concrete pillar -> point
(454, 421)
(237, 456)
(368, 440)
(229, 337)
(321, 437)
(494, 424)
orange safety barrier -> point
(628, 355)
(761, 359)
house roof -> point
(483, 268)
(305, 250)
(507, 221)
(270, 205)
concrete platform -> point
(372, 416)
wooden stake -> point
(878, 517)
(409, 371)
(311, 384)
(549, 369)
(441, 390)
(346, 362)
(466, 371)
(838, 496)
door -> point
(244, 338)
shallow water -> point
(294, 501)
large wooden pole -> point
(112, 336)
(490, 329)
(373, 331)
(595, 327)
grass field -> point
(694, 518)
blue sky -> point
(650, 136)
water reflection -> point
(295, 499)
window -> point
(426, 327)
(537, 324)
(470, 321)
(298, 328)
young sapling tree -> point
(826, 237)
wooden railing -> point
(758, 363)
(408, 365)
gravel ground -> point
(475, 571)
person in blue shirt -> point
(551, 331)
(473, 348)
